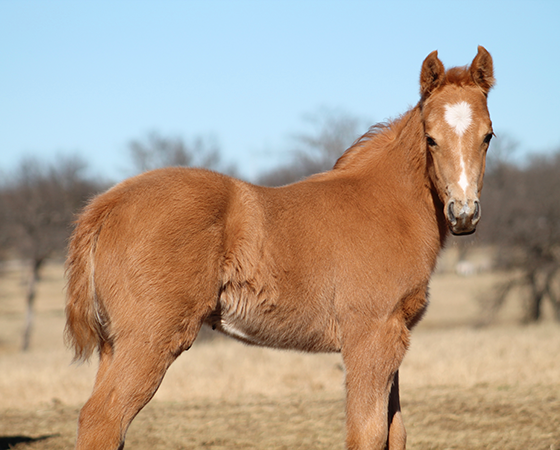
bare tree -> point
(522, 217)
(38, 202)
(332, 132)
(156, 151)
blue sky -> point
(87, 77)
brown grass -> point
(462, 388)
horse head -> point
(458, 130)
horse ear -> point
(482, 70)
(432, 74)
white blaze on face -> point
(463, 180)
(459, 117)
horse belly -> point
(282, 325)
(235, 331)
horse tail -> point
(87, 322)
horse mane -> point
(459, 76)
(381, 135)
(376, 140)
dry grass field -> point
(462, 387)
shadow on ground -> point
(8, 442)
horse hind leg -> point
(126, 381)
(130, 372)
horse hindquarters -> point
(141, 286)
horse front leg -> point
(397, 431)
(372, 356)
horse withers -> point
(338, 262)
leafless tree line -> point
(37, 206)
(522, 220)
(521, 203)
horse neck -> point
(394, 157)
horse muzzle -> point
(462, 216)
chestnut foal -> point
(339, 262)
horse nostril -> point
(476, 214)
(450, 214)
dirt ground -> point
(461, 387)
(442, 418)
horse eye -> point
(430, 141)
(488, 138)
